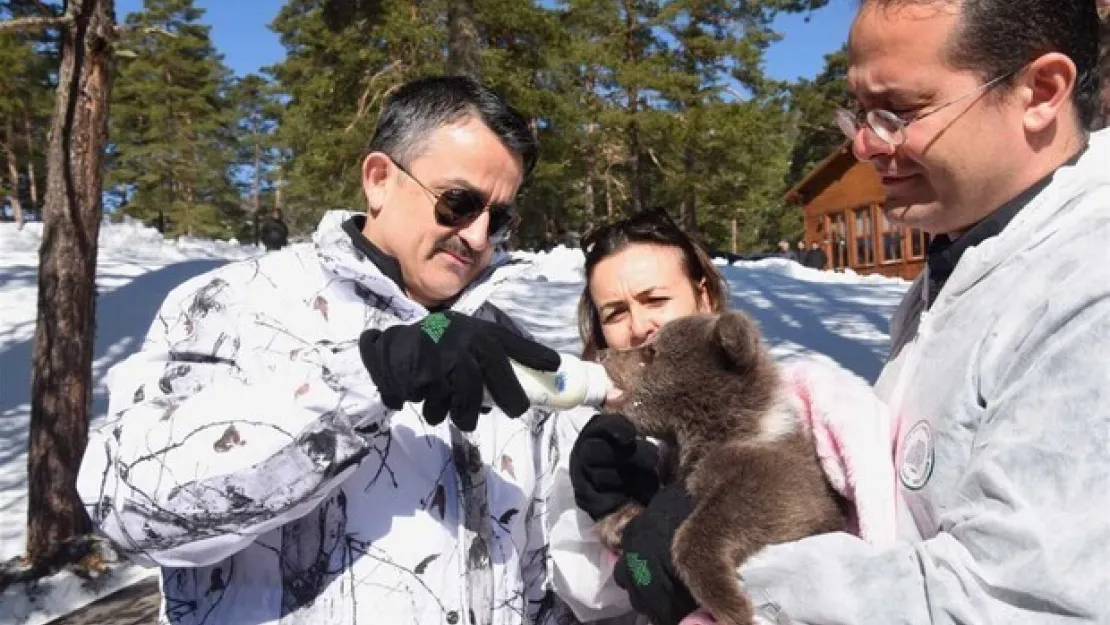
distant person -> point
(273, 232)
(977, 115)
(784, 251)
(815, 257)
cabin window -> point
(917, 244)
(891, 241)
(837, 227)
(865, 251)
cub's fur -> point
(707, 387)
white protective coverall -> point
(1001, 395)
(247, 453)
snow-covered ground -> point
(136, 267)
(841, 316)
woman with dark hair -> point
(640, 273)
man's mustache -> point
(457, 247)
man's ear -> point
(1046, 86)
(376, 175)
(738, 339)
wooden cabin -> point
(840, 198)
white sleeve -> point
(1028, 542)
(216, 433)
(582, 569)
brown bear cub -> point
(708, 388)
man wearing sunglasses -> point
(304, 437)
(977, 115)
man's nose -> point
(476, 233)
(867, 145)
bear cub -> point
(707, 387)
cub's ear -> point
(738, 339)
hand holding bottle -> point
(447, 361)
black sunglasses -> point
(455, 208)
(652, 225)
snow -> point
(136, 268)
(842, 316)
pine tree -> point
(463, 50)
(258, 156)
(61, 379)
(172, 143)
(813, 104)
(342, 58)
(615, 52)
(27, 60)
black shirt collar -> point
(384, 262)
(944, 252)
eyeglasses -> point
(891, 127)
(455, 208)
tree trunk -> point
(635, 162)
(589, 160)
(462, 39)
(32, 181)
(61, 384)
(277, 197)
(589, 193)
(689, 195)
(256, 187)
(609, 208)
(735, 236)
(13, 174)
(190, 216)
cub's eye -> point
(647, 354)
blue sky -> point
(240, 32)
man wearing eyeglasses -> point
(304, 437)
(977, 116)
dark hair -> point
(420, 107)
(273, 233)
(996, 37)
(654, 227)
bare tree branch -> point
(32, 24)
(655, 159)
(150, 30)
(46, 9)
(369, 97)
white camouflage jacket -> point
(247, 454)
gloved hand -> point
(446, 361)
(645, 568)
(610, 466)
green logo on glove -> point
(641, 572)
(434, 325)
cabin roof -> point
(797, 193)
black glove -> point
(446, 361)
(645, 568)
(610, 466)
